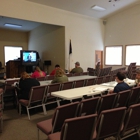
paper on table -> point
(101, 88)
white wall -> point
(87, 34)
(123, 29)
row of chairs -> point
(51, 77)
(41, 96)
(66, 125)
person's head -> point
(25, 75)
(120, 76)
(37, 69)
(57, 66)
(59, 72)
(77, 64)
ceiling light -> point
(98, 8)
(12, 25)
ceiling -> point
(82, 7)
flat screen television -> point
(28, 57)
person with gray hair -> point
(77, 68)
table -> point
(80, 92)
(73, 78)
(130, 82)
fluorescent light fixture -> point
(12, 25)
(98, 8)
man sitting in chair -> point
(77, 68)
(121, 86)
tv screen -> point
(29, 57)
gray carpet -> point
(18, 127)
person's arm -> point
(54, 80)
(72, 71)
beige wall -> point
(87, 34)
(12, 38)
(49, 41)
(123, 29)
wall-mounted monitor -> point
(28, 57)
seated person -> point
(77, 68)
(25, 84)
(60, 76)
(38, 73)
(56, 67)
(137, 80)
(121, 86)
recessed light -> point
(12, 25)
(98, 8)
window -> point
(132, 54)
(11, 53)
(113, 55)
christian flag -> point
(70, 48)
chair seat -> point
(42, 126)
(54, 136)
(24, 102)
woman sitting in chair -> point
(60, 76)
(38, 73)
(25, 84)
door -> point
(99, 58)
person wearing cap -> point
(56, 67)
(121, 86)
(77, 68)
(137, 80)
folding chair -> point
(109, 123)
(67, 85)
(131, 122)
(79, 83)
(72, 129)
(55, 123)
(36, 99)
(90, 82)
(88, 106)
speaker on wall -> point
(47, 62)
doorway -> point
(99, 58)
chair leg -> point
(44, 109)
(28, 113)
(19, 108)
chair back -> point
(37, 94)
(79, 128)
(41, 78)
(106, 78)
(76, 74)
(88, 106)
(69, 74)
(85, 73)
(122, 98)
(79, 83)
(67, 85)
(63, 112)
(107, 102)
(99, 80)
(132, 119)
(110, 122)
(134, 96)
(49, 77)
(90, 82)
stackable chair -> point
(90, 82)
(123, 98)
(41, 78)
(79, 83)
(131, 122)
(67, 85)
(134, 95)
(51, 88)
(36, 99)
(55, 123)
(49, 77)
(99, 80)
(106, 78)
(79, 128)
(88, 106)
(107, 102)
(109, 123)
